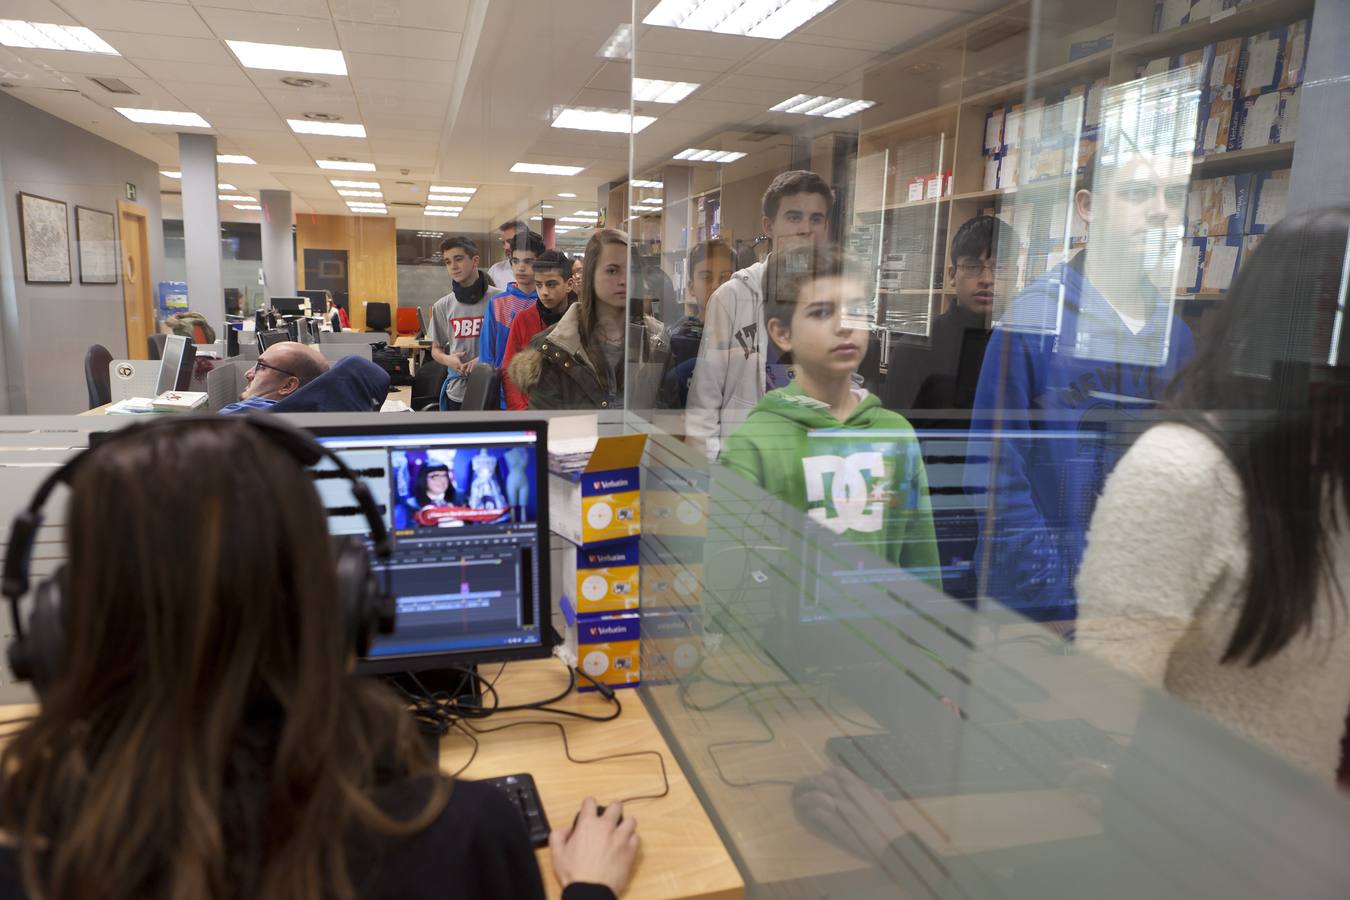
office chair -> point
(408, 323)
(484, 390)
(426, 386)
(96, 379)
(377, 316)
(155, 345)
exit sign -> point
(131, 191)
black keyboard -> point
(522, 792)
(1004, 757)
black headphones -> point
(37, 653)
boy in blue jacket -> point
(1072, 369)
(502, 309)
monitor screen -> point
(467, 511)
(231, 340)
(288, 306)
(175, 366)
(421, 323)
(318, 300)
(275, 336)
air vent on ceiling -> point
(322, 117)
(405, 203)
(304, 82)
(114, 85)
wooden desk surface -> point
(682, 854)
(402, 392)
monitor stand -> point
(465, 689)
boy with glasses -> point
(457, 318)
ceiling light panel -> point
(247, 206)
(332, 129)
(46, 36)
(238, 198)
(544, 169)
(608, 120)
(568, 196)
(361, 194)
(829, 107)
(583, 220)
(452, 215)
(163, 117)
(226, 187)
(340, 183)
(234, 159)
(772, 19)
(447, 189)
(713, 156)
(649, 90)
(453, 198)
(338, 165)
(654, 185)
(453, 209)
(619, 45)
(174, 173)
(286, 58)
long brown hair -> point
(204, 739)
(587, 320)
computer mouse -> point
(599, 811)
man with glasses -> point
(501, 273)
(281, 370)
(457, 318)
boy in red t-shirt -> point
(552, 282)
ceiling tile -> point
(685, 61)
(68, 62)
(36, 11)
(433, 71)
(444, 15)
(168, 19)
(422, 43)
(315, 9)
(879, 26)
(147, 46)
(701, 44)
(381, 90)
(269, 28)
(811, 60)
(405, 134)
(229, 77)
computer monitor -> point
(318, 300)
(292, 328)
(288, 306)
(274, 336)
(469, 568)
(260, 321)
(175, 366)
(421, 323)
(231, 340)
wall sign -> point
(131, 191)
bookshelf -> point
(932, 102)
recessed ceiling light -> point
(233, 159)
(568, 196)
(247, 206)
(614, 121)
(338, 182)
(651, 90)
(771, 19)
(345, 165)
(453, 198)
(544, 169)
(584, 220)
(286, 58)
(304, 82)
(829, 107)
(446, 208)
(332, 129)
(452, 215)
(654, 185)
(645, 208)
(163, 117)
(361, 193)
(619, 45)
(241, 198)
(46, 36)
(588, 213)
(446, 189)
(174, 173)
(713, 156)
(536, 218)
(545, 206)
(226, 187)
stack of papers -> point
(571, 441)
(133, 406)
(179, 401)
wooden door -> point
(137, 297)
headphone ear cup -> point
(363, 604)
(43, 652)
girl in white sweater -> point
(1219, 553)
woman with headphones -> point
(200, 734)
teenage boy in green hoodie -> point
(823, 443)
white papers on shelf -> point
(1258, 119)
(1220, 264)
(1263, 56)
(1270, 205)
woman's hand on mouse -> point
(599, 850)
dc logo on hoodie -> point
(845, 493)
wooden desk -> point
(402, 392)
(407, 342)
(682, 855)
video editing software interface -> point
(462, 510)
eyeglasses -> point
(970, 268)
(259, 364)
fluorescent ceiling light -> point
(712, 156)
(241, 198)
(568, 196)
(170, 174)
(654, 185)
(543, 169)
(163, 117)
(609, 120)
(771, 19)
(651, 90)
(340, 166)
(286, 58)
(337, 182)
(584, 220)
(446, 208)
(234, 159)
(247, 206)
(536, 218)
(445, 189)
(46, 36)
(226, 187)
(545, 206)
(619, 45)
(360, 194)
(453, 198)
(643, 208)
(332, 129)
(452, 215)
(829, 107)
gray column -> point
(1320, 176)
(13, 397)
(201, 226)
(278, 247)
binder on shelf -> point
(1218, 206)
(1269, 197)
(1295, 54)
(1222, 258)
(1263, 58)
(1190, 265)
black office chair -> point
(96, 380)
(426, 386)
(155, 345)
(378, 316)
(484, 390)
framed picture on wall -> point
(44, 232)
(96, 240)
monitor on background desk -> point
(175, 366)
(469, 568)
(275, 336)
(288, 306)
(318, 301)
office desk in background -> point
(402, 393)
